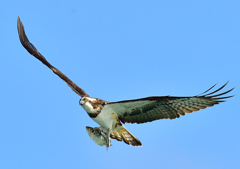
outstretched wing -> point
(166, 107)
(33, 51)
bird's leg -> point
(106, 135)
(101, 129)
(108, 138)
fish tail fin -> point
(121, 133)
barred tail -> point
(121, 133)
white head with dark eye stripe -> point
(83, 100)
(86, 103)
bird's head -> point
(88, 104)
(84, 100)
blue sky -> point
(116, 51)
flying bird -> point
(112, 115)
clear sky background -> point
(116, 51)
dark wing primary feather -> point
(33, 51)
(166, 107)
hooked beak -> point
(81, 102)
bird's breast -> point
(107, 118)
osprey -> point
(111, 115)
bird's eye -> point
(85, 99)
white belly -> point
(107, 118)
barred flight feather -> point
(165, 107)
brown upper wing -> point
(33, 51)
(166, 107)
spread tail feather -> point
(121, 133)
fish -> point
(96, 136)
